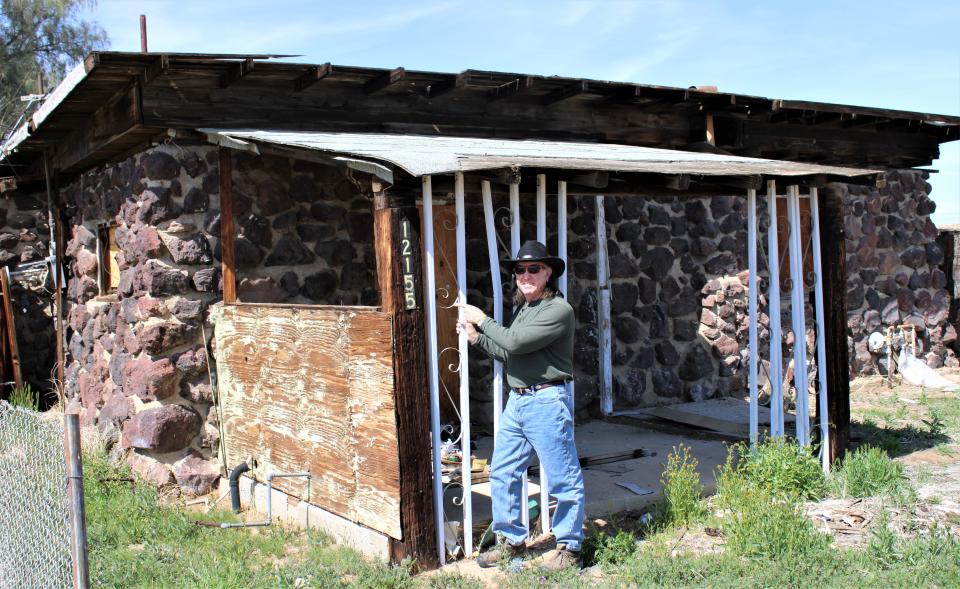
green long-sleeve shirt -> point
(536, 347)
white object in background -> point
(636, 489)
(916, 372)
(876, 341)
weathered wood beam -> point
(227, 231)
(9, 327)
(312, 76)
(560, 94)
(397, 246)
(517, 86)
(678, 182)
(833, 261)
(159, 67)
(237, 72)
(120, 116)
(384, 80)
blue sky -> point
(902, 55)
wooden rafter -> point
(237, 72)
(384, 80)
(312, 76)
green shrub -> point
(758, 495)
(780, 468)
(26, 397)
(756, 524)
(868, 472)
(605, 549)
(682, 489)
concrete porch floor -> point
(604, 495)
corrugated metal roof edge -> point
(242, 139)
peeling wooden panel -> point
(311, 389)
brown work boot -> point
(504, 552)
(561, 558)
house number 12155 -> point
(406, 265)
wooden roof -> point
(124, 100)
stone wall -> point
(138, 361)
(893, 265)
(677, 308)
(24, 241)
(678, 278)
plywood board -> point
(728, 415)
(311, 389)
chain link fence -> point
(34, 508)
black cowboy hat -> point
(534, 251)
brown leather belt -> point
(537, 387)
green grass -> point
(778, 468)
(926, 562)
(868, 472)
(682, 490)
(24, 396)
(135, 541)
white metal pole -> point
(605, 350)
(542, 238)
(514, 218)
(497, 299)
(773, 309)
(752, 294)
(542, 208)
(821, 343)
(433, 370)
(562, 233)
(466, 463)
(562, 254)
(514, 247)
(798, 316)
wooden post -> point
(227, 232)
(833, 259)
(59, 242)
(10, 326)
(396, 225)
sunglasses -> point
(535, 269)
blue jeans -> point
(541, 421)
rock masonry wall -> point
(678, 283)
(25, 241)
(138, 361)
(894, 268)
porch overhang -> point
(420, 155)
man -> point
(537, 351)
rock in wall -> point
(140, 359)
(893, 268)
(24, 244)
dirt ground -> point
(919, 427)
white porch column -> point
(773, 305)
(542, 238)
(542, 208)
(497, 288)
(605, 340)
(514, 247)
(752, 310)
(798, 314)
(464, 348)
(821, 343)
(433, 370)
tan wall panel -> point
(311, 389)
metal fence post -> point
(78, 518)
